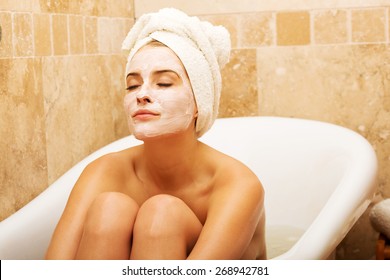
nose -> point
(144, 100)
(143, 97)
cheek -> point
(130, 104)
(190, 99)
(188, 103)
(178, 103)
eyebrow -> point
(166, 71)
(132, 74)
(158, 72)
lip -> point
(144, 114)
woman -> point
(172, 197)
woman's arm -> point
(68, 232)
(236, 208)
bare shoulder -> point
(102, 173)
(109, 161)
(112, 162)
(235, 175)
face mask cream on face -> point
(160, 99)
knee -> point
(161, 215)
(111, 212)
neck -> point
(170, 160)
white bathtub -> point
(319, 178)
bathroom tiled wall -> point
(61, 75)
(61, 89)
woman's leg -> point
(108, 227)
(165, 228)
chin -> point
(145, 136)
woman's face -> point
(159, 97)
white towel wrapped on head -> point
(202, 47)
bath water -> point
(280, 239)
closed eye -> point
(133, 87)
(164, 85)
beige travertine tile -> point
(55, 6)
(60, 34)
(91, 35)
(42, 34)
(122, 8)
(104, 28)
(120, 28)
(204, 7)
(22, 34)
(22, 134)
(368, 25)
(83, 111)
(293, 28)
(379, 135)
(230, 22)
(6, 49)
(18, 6)
(343, 84)
(111, 33)
(76, 34)
(340, 84)
(330, 27)
(256, 30)
(79, 7)
(239, 87)
(87, 7)
(379, 132)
